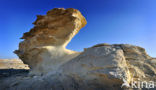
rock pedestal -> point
(44, 46)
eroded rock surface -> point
(43, 48)
(104, 67)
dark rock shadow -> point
(10, 72)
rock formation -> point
(110, 64)
(12, 64)
(43, 48)
(101, 67)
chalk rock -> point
(101, 67)
(44, 45)
(113, 64)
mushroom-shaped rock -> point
(43, 48)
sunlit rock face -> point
(44, 45)
(110, 65)
(101, 67)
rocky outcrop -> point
(113, 65)
(12, 64)
(101, 67)
(43, 48)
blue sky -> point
(109, 21)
